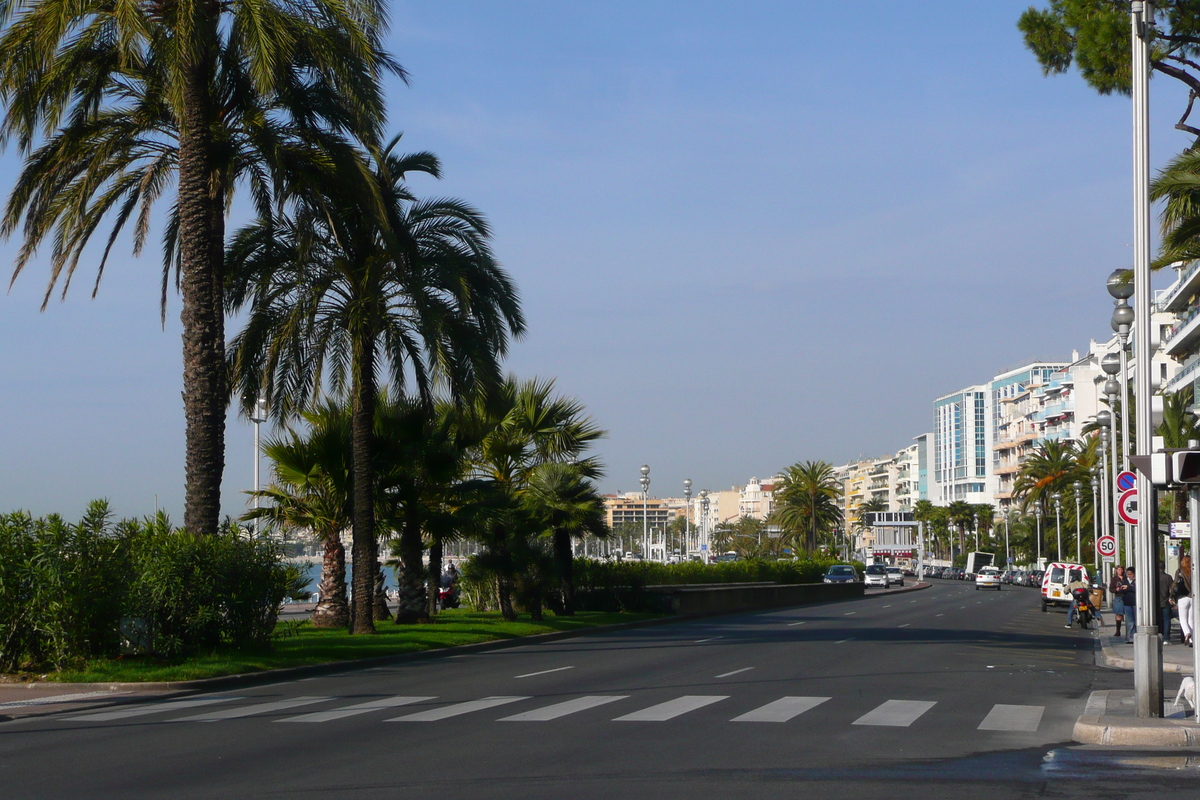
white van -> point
(1054, 583)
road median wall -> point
(717, 598)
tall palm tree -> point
(806, 502)
(312, 491)
(112, 103)
(526, 427)
(363, 283)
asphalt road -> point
(938, 693)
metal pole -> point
(1037, 512)
(1147, 650)
(1194, 516)
(687, 517)
(1095, 523)
(1007, 551)
(1078, 536)
(1058, 522)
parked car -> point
(841, 573)
(877, 575)
(896, 575)
(988, 578)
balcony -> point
(1004, 444)
(1027, 436)
(1060, 410)
(1185, 376)
(1176, 295)
(1007, 469)
(1184, 335)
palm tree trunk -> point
(435, 575)
(411, 578)
(362, 435)
(566, 570)
(332, 610)
(201, 251)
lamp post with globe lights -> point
(1037, 512)
(706, 547)
(1107, 490)
(687, 517)
(258, 416)
(1057, 497)
(644, 480)
(1077, 486)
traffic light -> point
(1185, 466)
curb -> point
(1140, 732)
(333, 667)
(1109, 658)
(916, 587)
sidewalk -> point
(1110, 718)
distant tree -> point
(807, 504)
(1094, 36)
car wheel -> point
(1043, 606)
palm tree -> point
(111, 103)
(526, 427)
(362, 282)
(564, 501)
(806, 502)
(312, 492)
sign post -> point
(1106, 546)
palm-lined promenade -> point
(381, 281)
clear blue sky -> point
(745, 234)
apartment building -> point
(621, 509)
(962, 433)
(1026, 401)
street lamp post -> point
(1147, 647)
(1007, 550)
(1037, 512)
(687, 517)
(258, 416)
(976, 528)
(706, 548)
(1108, 522)
(1057, 497)
(1077, 485)
(1095, 522)
(1111, 365)
(645, 482)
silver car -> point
(877, 575)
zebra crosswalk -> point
(892, 713)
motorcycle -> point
(1084, 610)
(448, 596)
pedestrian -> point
(1164, 603)
(1130, 599)
(1183, 598)
(1117, 593)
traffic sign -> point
(1126, 480)
(1106, 546)
(1127, 507)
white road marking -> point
(250, 711)
(905, 625)
(735, 672)
(939, 615)
(673, 708)
(543, 672)
(849, 613)
(889, 605)
(150, 708)
(60, 698)
(358, 708)
(435, 714)
(1013, 718)
(843, 641)
(781, 710)
(794, 624)
(896, 713)
(563, 709)
(710, 639)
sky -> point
(745, 235)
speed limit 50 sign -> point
(1106, 546)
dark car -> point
(841, 573)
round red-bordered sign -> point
(1106, 546)
(1127, 507)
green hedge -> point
(593, 575)
(69, 592)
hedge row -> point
(69, 592)
(592, 575)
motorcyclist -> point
(1079, 596)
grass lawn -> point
(297, 644)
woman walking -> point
(1116, 591)
(1130, 603)
(1183, 597)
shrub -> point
(71, 592)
